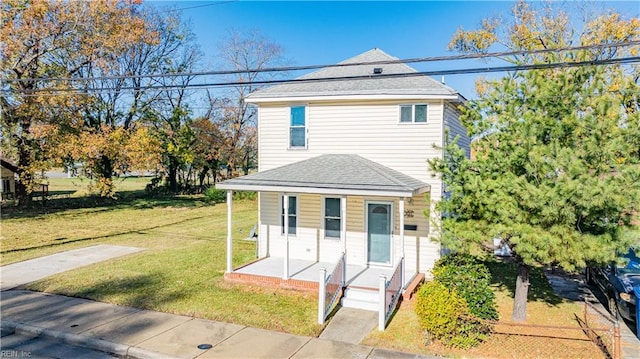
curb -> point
(122, 350)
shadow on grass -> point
(60, 194)
(504, 274)
(146, 291)
(61, 241)
(126, 199)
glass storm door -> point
(379, 233)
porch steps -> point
(361, 298)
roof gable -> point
(340, 80)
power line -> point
(199, 6)
(315, 67)
(623, 60)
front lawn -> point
(180, 271)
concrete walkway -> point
(136, 333)
(17, 274)
(350, 325)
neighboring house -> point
(8, 179)
(345, 159)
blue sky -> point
(315, 32)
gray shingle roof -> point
(374, 85)
(343, 174)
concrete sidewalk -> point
(16, 274)
(135, 333)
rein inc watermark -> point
(15, 354)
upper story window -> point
(413, 113)
(297, 127)
(332, 220)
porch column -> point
(343, 223)
(229, 234)
(401, 210)
(285, 210)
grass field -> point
(180, 271)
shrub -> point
(445, 316)
(470, 278)
(240, 195)
(215, 195)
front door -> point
(379, 233)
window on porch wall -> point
(293, 211)
(332, 218)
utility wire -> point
(623, 60)
(199, 6)
(314, 67)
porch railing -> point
(390, 292)
(331, 288)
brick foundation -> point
(272, 282)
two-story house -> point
(343, 179)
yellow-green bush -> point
(445, 316)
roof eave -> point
(407, 193)
(318, 98)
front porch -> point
(305, 275)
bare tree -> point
(247, 52)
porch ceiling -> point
(331, 174)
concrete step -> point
(360, 299)
(362, 294)
(359, 304)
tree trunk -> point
(522, 289)
(173, 175)
(201, 176)
(22, 194)
(25, 176)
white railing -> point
(330, 288)
(390, 292)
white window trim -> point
(324, 217)
(281, 211)
(413, 113)
(306, 128)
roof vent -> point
(377, 70)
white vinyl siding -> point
(455, 128)
(367, 128)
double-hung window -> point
(293, 214)
(413, 113)
(297, 127)
(332, 218)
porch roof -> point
(335, 174)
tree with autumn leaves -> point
(556, 173)
(77, 89)
(54, 39)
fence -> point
(597, 335)
(390, 292)
(330, 288)
(602, 329)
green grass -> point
(180, 271)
